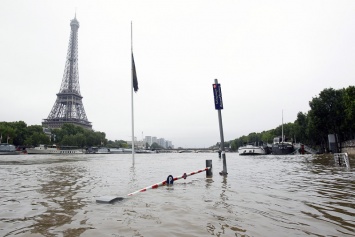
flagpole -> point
(132, 95)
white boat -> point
(53, 149)
(121, 151)
(251, 150)
(98, 150)
(145, 151)
(8, 149)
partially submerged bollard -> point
(209, 172)
(170, 180)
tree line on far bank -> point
(19, 134)
(332, 112)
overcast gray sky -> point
(267, 55)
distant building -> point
(137, 144)
(169, 144)
(148, 139)
(161, 142)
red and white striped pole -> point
(170, 180)
(185, 175)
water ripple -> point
(262, 196)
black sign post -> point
(218, 104)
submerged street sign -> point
(218, 104)
(217, 92)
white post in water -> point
(209, 172)
(218, 102)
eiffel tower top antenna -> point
(68, 108)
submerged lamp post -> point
(218, 103)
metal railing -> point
(306, 148)
(341, 159)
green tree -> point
(155, 146)
(36, 138)
(68, 140)
(117, 144)
(348, 127)
(20, 133)
(8, 132)
(80, 140)
(300, 127)
(326, 114)
(71, 129)
(234, 145)
(34, 129)
(267, 136)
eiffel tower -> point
(69, 108)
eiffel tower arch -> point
(68, 107)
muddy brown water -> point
(54, 195)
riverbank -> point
(348, 147)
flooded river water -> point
(53, 195)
